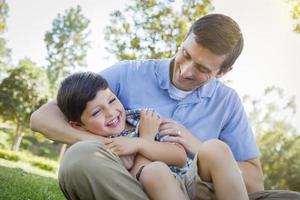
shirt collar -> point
(162, 73)
(208, 89)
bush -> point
(45, 164)
(9, 155)
(39, 162)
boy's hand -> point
(149, 124)
(122, 145)
(128, 161)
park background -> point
(43, 41)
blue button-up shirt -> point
(214, 110)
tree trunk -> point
(62, 151)
(17, 139)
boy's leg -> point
(216, 164)
(89, 171)
(160, 183)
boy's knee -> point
(214, 151)
(154, 170)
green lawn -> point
(16, 184)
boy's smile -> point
(104, 115)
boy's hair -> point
(76, 91)
(221, 35)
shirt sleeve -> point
(113, 76)
(237, 132)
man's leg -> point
(89, 171)
(275, 195)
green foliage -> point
(39, 162)
(67, 45)
(280, 158)
(3, 15)
(296, 14)
(9, 155)
(22, 92)
(4, 52)
(152, 28)
(17, 184)
(271, 117)
(43, 163)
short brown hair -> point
(76, 91)
(221, 35)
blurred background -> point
(43, 41)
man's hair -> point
(221, 35)
(76, 91)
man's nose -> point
(186, 69)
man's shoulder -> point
(138, 64)
(223, 90)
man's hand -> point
(175, 132)
(149, 124)
(122, 145)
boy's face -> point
(104, 115)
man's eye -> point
(185, 53)
(203, 70)
(113, 100)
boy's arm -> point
(169, 153)
(50, 121)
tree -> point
(296, 14)
(4, 52)
(152, 28)
(67, 45)
(22, 92)
(277, 138)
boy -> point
(89, 105)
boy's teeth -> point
(115, 121)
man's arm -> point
(252, 174)
(50, 121)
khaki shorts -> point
(192, 185)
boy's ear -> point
(77, 125)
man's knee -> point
(85, 157)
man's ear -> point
(223, 72)
(77, 125)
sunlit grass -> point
(16, 183)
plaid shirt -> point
(133, 118)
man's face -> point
(104, 115)
(194, 65)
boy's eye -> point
(96, 112)
(111, 101)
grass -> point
(17, 184)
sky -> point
(270, 56)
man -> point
(184, 88)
